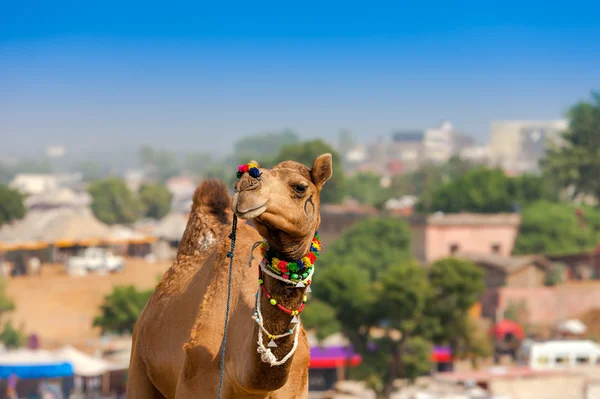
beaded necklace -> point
(298, 273)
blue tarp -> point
(54, 370)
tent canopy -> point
(27, 363)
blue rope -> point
(230, 256)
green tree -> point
(555, 229)
(161, 163)
(91, 170)
(121, 309)
(456, 286)
(11, 205)
(262, 146)
(9, 336)
(320, 317)
(197, 163)
(482, 190)
(113, 202)
(573, 162)
(366, 188)
(156, 200)
(12, 337)
(305, 153)
(367, 278)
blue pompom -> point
(254, 172)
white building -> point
(32, 184)
(439, 143)
(517, 146)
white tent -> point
(83, 364)
(572, 326)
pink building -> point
(441, 235)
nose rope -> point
(230, 256)
(251, 257)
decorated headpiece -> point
(250, 168)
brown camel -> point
(177, 339)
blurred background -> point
(466, 148)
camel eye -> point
(300, 189)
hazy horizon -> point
(106, 77)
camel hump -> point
(211, 198)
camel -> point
(178, 337)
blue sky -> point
(102, 75)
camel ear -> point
(322, 170)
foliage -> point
(11, 204)
(262, 147)
(485, 190)
(425, 180)
(9, 336)
(305, 153)
(197, 163)
(365, 187)
(456, 285)
(554, 229)
(162, 164)
(477, 344)
(91, 170)
(121, 309)
(12, 337)
(516, 311)
(573, 162)
(321, 317)
(156, 200)
(113, 202)
(368, 280)
(6, 303)
(555, 275)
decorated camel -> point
(178, 338)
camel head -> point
(283, 202)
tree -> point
(121, 309)
(91, 170)
(12, 337)
(573, 162)
(368, 279)
(9, 336)
(197, 163)
(555, 229)
(156, 200)
(11, 204)
(366, 188)
(485, 190)
(456, 286)
(263, 146)
(162, 164)
(113, 202)
(320, 317)
(305, 153)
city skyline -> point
(118, 76)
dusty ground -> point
(60, 308)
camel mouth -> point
(251, 213)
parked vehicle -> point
(95, 260)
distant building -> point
(440, 143)
(182, 188)
(441, 235)
(517, 146)
(32, 184)
(134, 178)
(525, 271)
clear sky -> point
(102, 75)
